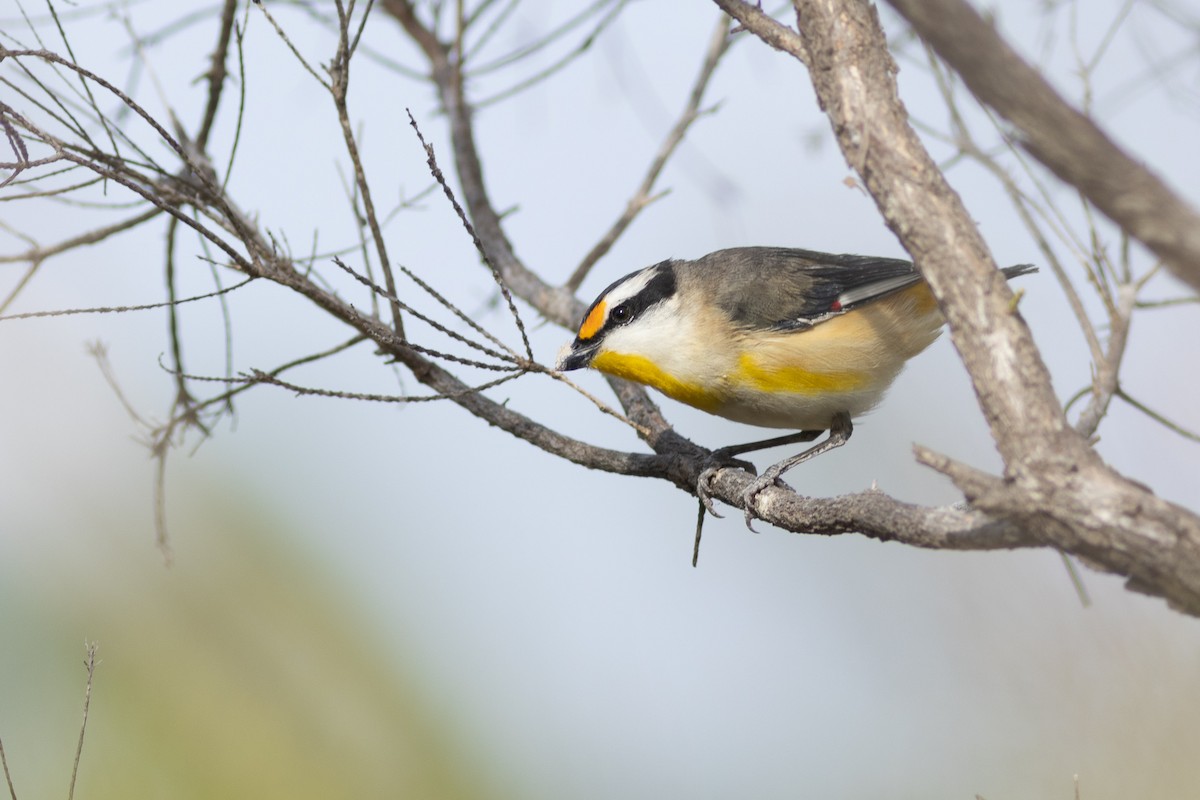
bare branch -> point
(1054, 483)
(66, 312)
(1159, 418)
(1105, 381)
(257, 376)
(87, 89)
(339, 72)
(12, 792)
(216, 74)
(288, 42)
(544, 41)
(90, 77)
(877, 516)
(967, 146)
(90, 665)
(556, 304)
(1065, 140)
(431, 160)
(91, 237)
(99, 351)
(1106, 363)
(766, 28)
(557, 66)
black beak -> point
(577, 356)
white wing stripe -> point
(861, 293)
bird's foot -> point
(750, 496)
(719, 460)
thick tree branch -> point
(878, 516)
(1054, 483)
(1067, 141)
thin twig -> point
(493, 27)
(90, 665)
(225, 398)
(1106, 359)
(222, 303)
(1085, 599)
(12, 792)
(86, 88)
(718, 45)
(39, 254)
(511, 357)
(435, 170)
(455, 310)
(54, 58)
(1157, 417)
(182, 396)
(99, 351)
(339, 72)
(282, 35)
(642, 430)
(969, 147)
(544, 41)
(262, 377)
(1107, 372)
(161, 533)
(121, 309)
(557, 66)
(216, 74)
(241, 110)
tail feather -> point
(1018, 270)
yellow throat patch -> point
(641, 370)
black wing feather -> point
(797, 287)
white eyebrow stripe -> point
(636, 282)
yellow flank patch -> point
(923, 295)
(642, 370)
(796, 380)
(595, 319)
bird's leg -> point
(839, 434)
(723, 457)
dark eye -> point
(621, 313)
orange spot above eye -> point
(595, 319)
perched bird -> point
(770, 336)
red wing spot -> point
(837, 306)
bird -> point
(775, 337)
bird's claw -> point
(717, 462)
(750, 496)
(702, 489)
